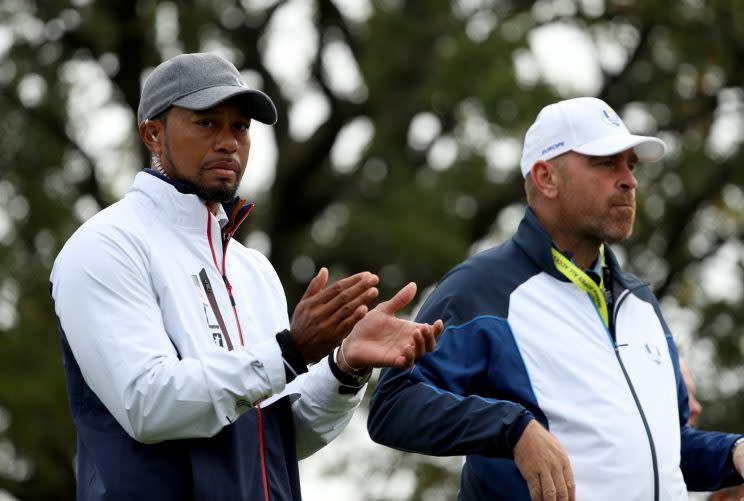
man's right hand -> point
(544, 464)
(325, 315)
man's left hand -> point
(382, 340)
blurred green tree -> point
(396, 151)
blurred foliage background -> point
(396, 151)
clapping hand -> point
(380, 339)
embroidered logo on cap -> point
(611, 117)
(552, 148)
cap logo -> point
(552, 147)
(611, 117)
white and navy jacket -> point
(521, 342)
(177, 379)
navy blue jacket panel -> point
(113, 466)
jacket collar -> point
(177, 202)
(536, 242)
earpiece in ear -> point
(154, 138)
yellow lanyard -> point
(582, 281)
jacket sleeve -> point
(321, 405)
(323, 409)
(110, 315)
(706, 459)
(437, 408)
(706, 455)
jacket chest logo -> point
(654, 352)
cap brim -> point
(648, 149)
(256, 104)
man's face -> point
(208, 149)
(597, 195)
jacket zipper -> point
(651, 444)
(223, 272)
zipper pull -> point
(229, 290)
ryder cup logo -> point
(654, 352)
(611, 117)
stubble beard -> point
(615, 230)
(601, 226)
(207, 194)
(215, 194)
(614, 235)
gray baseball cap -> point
(199, 81)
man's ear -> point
(150, 131)
(545, 178)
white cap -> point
(585, 125)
